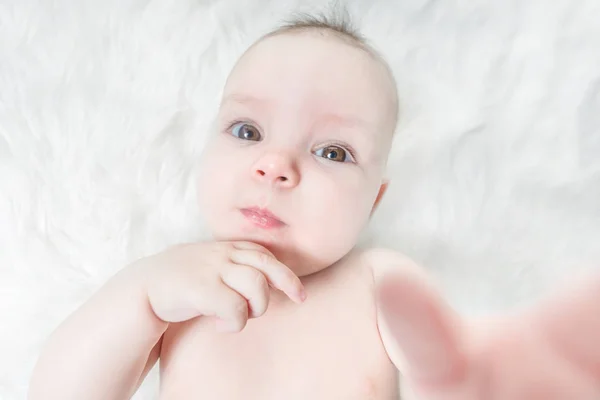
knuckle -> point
(259, 280)
(250, 245)
(262, 301)
(264, 250)
(226, 273)
(263, 258)
(239, 307)
(224, 247)
(259, 311)
(241, 245)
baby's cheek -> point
(213, 195)
(336, 231)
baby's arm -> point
(548, 351)
(105, 348)
(429, 329)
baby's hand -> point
(229, 280)
(548, 352)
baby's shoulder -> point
(354, 277)
(377, 261)
(360, 269)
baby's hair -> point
(337, 23)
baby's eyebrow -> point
(244, 99)
(343, 120)
(355, 125)
(348, 121)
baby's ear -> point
(382, 190)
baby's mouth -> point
(262, 218)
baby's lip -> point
(262, 217)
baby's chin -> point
(299, 262)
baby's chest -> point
(323, 350)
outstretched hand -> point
(548, 352)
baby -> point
(282, 304)
(278, 306)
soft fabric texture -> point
(104, 106)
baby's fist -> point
(227, 280)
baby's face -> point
(297, 161)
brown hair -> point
(337, 23)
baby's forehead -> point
(309, 45)
(319, 68)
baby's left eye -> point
(335, 153)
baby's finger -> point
(226, 304)
(241, 245)
(251, 284)
(278, 275)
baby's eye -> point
(245, 131)
(335, 153)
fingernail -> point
(302, 295)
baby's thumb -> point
(421, 333)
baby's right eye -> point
(245, 131)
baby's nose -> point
(276, 169)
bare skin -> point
(227, 321)
(304, 129)
(325, 348)
(279, 305)
(104, 349)
(549, 351)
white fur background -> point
(104, 106)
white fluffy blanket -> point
(104, 106)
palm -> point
(533, 355)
